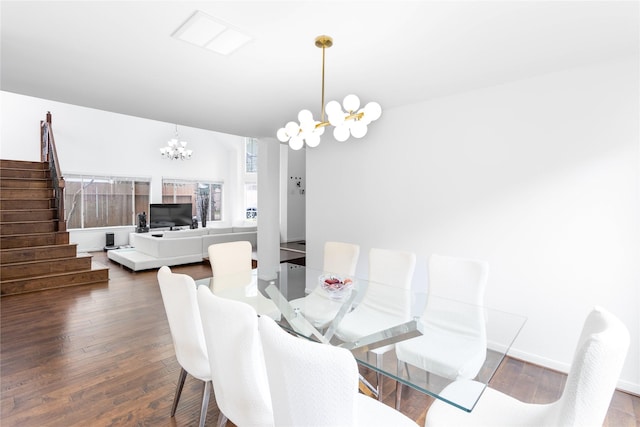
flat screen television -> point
(169, 215)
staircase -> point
(34, 255)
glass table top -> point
(420, 340)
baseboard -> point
(623, 385)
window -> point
(103, 201)
(205, 197)
(251, 155)
(251, 201)
(251, 173)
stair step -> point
(97, 274)
(37, 253)
(24, 227)
(27, 193)
(27, 215)
(21, 270)
(25, 204)
(23, 164)
(27, 227)
(24, 173)
(24, 183)
(40, 239)
(33, 255)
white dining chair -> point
(236, 360)
(230, 257)
(181, 306)
(340, 258)
(318, 307)
(315, 384)
(233, 278)
(454, 340)
(386, 302)
(596, 366)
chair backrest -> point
(341, 258)
(597, 363)
(230, 257)
(180, 303)
(311, 384)
(457, 280)
(235, 356)
(389, 271)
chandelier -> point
(352, 121)
(176, 149)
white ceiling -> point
(119, 55)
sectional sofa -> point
(158, 248)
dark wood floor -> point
(101, 355)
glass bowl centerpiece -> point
(334, 285)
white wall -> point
(296, 195)
(539, 177)
(97, 142)
(292, 196)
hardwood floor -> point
(101, 355)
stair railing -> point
(49, 154)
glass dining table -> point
(323, 307)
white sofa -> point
(155, 249)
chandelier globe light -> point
(348, 119)
(176, 149)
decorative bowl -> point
(336, 286)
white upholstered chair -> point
(386, 302)
(319, 308)
(236, 360)
(315, 384)
(233, 277)
(454, 340)
(597, 362)
(230, 257)
(340, 258)
(180, 303)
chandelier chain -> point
(322, 101)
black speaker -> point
(110, 241)
(194, 222)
